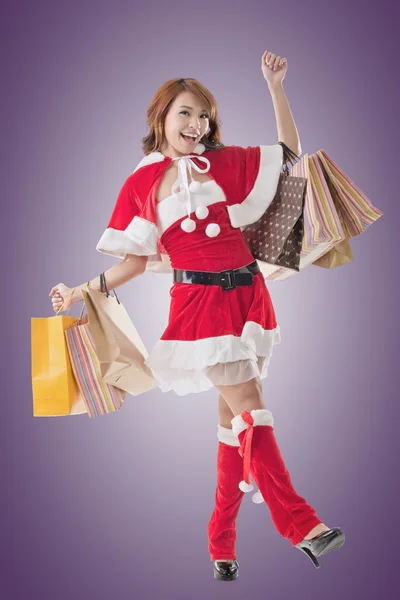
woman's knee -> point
(243, 396)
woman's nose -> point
(195, 123)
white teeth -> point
(187, 137)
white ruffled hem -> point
(187, 367)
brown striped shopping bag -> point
(354, 208)
(100, 397)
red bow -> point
(245, 446)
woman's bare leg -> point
(225, 413)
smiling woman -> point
(181, 108)
(222, 327)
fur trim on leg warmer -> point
(227, 436)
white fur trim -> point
(155, 157)
(257, 498)
(198, 354)
(173, 208)
(246, 487)
(182, 366)
(227, 436)
(144, 233)
(261, 416)
(149, 159)
(115, 243)
(140, 238)
(264, 190)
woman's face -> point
(185, 116)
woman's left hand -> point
(274, 68)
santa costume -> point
(222, 326)
(214, 336)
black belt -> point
(226, 279)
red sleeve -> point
(127, 232)
(125, 209)
(256, 171)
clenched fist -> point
(274, 68)
(60, 294)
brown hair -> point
(160, 104)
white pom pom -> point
(202, 212)
(195, 187)
(257, 498)
(212, 229)
(245, 487)
(188, 225)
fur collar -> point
(155, 157)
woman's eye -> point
(186, 112)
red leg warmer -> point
(292, 517)
(228, 497)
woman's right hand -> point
(59, 293)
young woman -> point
(182, 211)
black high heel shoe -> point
(226, 571)
(321, 544)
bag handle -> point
(70, 294)
(288, 156)
(103, 287)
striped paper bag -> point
(100, 398)
(355, 209)
(323, 227)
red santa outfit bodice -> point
(197, 250)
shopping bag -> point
(356, 210)
(323, 228)
(119, 348)
(100, 397)
(289, 257)
(276, 238)
(340, 255)
(54, 388)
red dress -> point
(213, 336)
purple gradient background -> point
(117, 507)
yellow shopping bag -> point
(55, 391)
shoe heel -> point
(310, 556)
(322, 544)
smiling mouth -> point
(189, 139)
